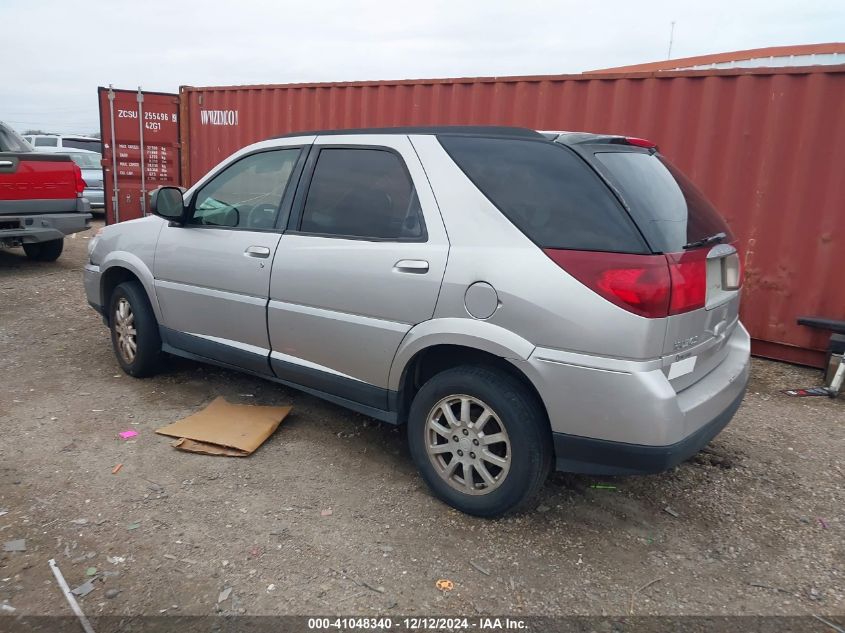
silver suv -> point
(518, 300)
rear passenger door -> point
(361, 263)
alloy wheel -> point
(124, 327)
(468, 444)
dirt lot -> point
(754, 525)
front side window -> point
(362, 193)
(247, 194)
(46, 141)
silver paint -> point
(363, 310)
(481, 300)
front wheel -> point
(480, 439)
(134, 330)
(48, 251)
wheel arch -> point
(436, 346)
(120, 267)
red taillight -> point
(640, 142)
(651, 286)
(80, 183)
(637, 283)
(689, 280)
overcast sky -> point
(56, 52)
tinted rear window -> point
(668, 208)
(548, 192)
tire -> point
(518, 421)
(44, 251)
(131, 315)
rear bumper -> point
(614, 416)
(602, 457)
(28, 229)
(95, 197)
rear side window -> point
(46, 141)
(363, 193)
(548, 192)
(668, 208)
(93, 146)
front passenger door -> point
(212, 275)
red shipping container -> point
(140, 134)
(765, 144)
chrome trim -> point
(257, 251)
(589, 361)
(211, 292)
(287, 358)
(254, 349)
(358, 319)
(418, 266)
(560, 362)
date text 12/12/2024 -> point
(417, 624)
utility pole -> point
(671, 38)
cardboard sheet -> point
(223, 428)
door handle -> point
(415, 266)
(257, 251)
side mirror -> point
(167, 203)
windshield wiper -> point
(706, 241)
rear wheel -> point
(44, 251)
(134, 330)
(480, 439)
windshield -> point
(670, 210)
(86, 161)
(11, 141)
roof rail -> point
(458, 130)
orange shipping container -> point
(767, 145)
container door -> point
(212, 276)
(361, 266)
(140, 134)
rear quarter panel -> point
(538, 300)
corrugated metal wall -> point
(766, 145)
(146, 139)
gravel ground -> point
(752, 525)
